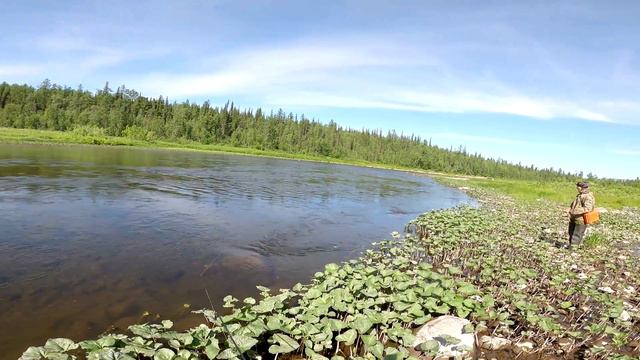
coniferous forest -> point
(125, 112)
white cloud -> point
(627, 152)
(20, 70)
(445, 102)
(296, 66)
(463, 138)
(374, 72)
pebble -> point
(524, 346)
(493, 342)
(625, 316)
(606, 289)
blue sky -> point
(544, 83)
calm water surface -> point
(91, 238)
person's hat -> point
(582, 184)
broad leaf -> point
(60, 345)
(164, 354)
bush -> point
(88, 130)
(138, 133)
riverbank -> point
(500, 266)
(614, 195)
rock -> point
(582, 276)
(625, 316)
(252, 262)
(493, 342)
(523, 346)
(444, 330)
(630, 290)
(606, 289)
(565, 343)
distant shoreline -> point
(31, 136)
(609, 193)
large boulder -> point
(446, 336)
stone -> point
(606, 289)
(523, 346)
(493, 342)
(250, 262)
(582, 276)
(625, 316)
(444, 329)
(565, 343)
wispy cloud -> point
(465, 138)
(369, 73)
(20, 70)
(626, 152)
(312, 63)
(444, 102)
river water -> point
(92, 238)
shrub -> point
(88, 130)
(138, 133)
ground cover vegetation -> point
(608, 193)
(500, 265)
(125, 113)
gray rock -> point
(523, 346)
(493, 342)
(444, 330)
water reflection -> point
(93, 237)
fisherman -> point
(583, 203)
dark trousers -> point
(576, 232)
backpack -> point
(591, 217)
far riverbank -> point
(610, 194)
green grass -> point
(595, 239)
(608, 195)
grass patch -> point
(595, 238)
(614, 195)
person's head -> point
(582, 186)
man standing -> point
(583, 203)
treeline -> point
(124, 112)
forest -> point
(125, 112)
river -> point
(94, 238)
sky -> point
(548, 83)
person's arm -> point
(581, 207)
